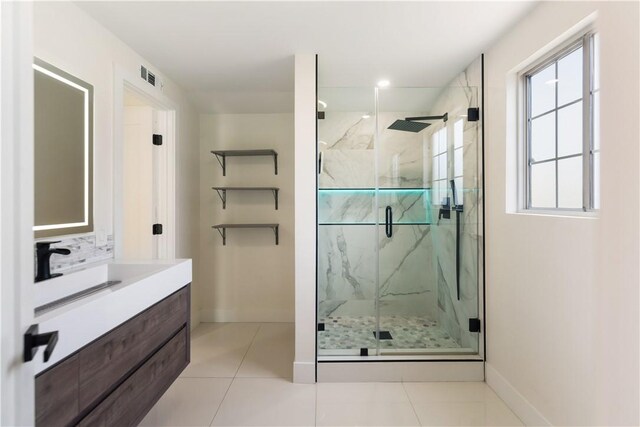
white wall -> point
(71, 40)
(562, 293)
(304, 365)
(250, 279)
(616, 312)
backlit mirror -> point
(63, 145)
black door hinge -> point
(473, 114)
(320, 115)
(157, 139)
(474, 325)
(157, 229)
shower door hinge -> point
(157, 139)
(157, 229)
(320, 115)
(474, 325)
(473, 114)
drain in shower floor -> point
(384, 335)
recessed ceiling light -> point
(322, 104)
(552, 81)
(383, 83)
(366, 116)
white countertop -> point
(143, 283)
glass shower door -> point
(427, 234)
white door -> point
(16, 212)
(139, 189)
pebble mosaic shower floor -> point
(408, 332)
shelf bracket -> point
(275, 197)
(275, 163)
(223, 234)
(222, 162)
(275, 230)
(223, 196)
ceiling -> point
(237, 57)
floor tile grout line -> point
(411, 402)
(221, 402)
(248, 349)
(235, 375)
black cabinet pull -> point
(388, 221)
(33, 340)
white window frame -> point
(435, 155)
(586, 41)
(458, 145)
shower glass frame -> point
(384, 319)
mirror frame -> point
(86, 226)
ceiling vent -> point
(147, 75)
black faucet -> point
(43, 253)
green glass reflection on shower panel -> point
(408, 214)
(373, 190)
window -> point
(562, 148)
(439, 169)
(458, 160)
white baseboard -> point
(400, 371)
(257, 316)
(304, 372)
(528, 413)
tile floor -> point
(240, 375)
(407, 332)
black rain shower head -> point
(408, 126)
(413, 124)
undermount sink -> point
(88, 281)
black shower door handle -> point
(388, 221)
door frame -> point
(125, 80)
(17, 379)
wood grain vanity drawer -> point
(107, 361)
(57, 405)
(129, 403)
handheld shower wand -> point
(458, 209)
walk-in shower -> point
(399, 222)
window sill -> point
(558, 213)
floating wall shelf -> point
(222, 155)
(222, 192)
(222, 229)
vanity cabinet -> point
(116, 379)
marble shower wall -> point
(348, 237)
